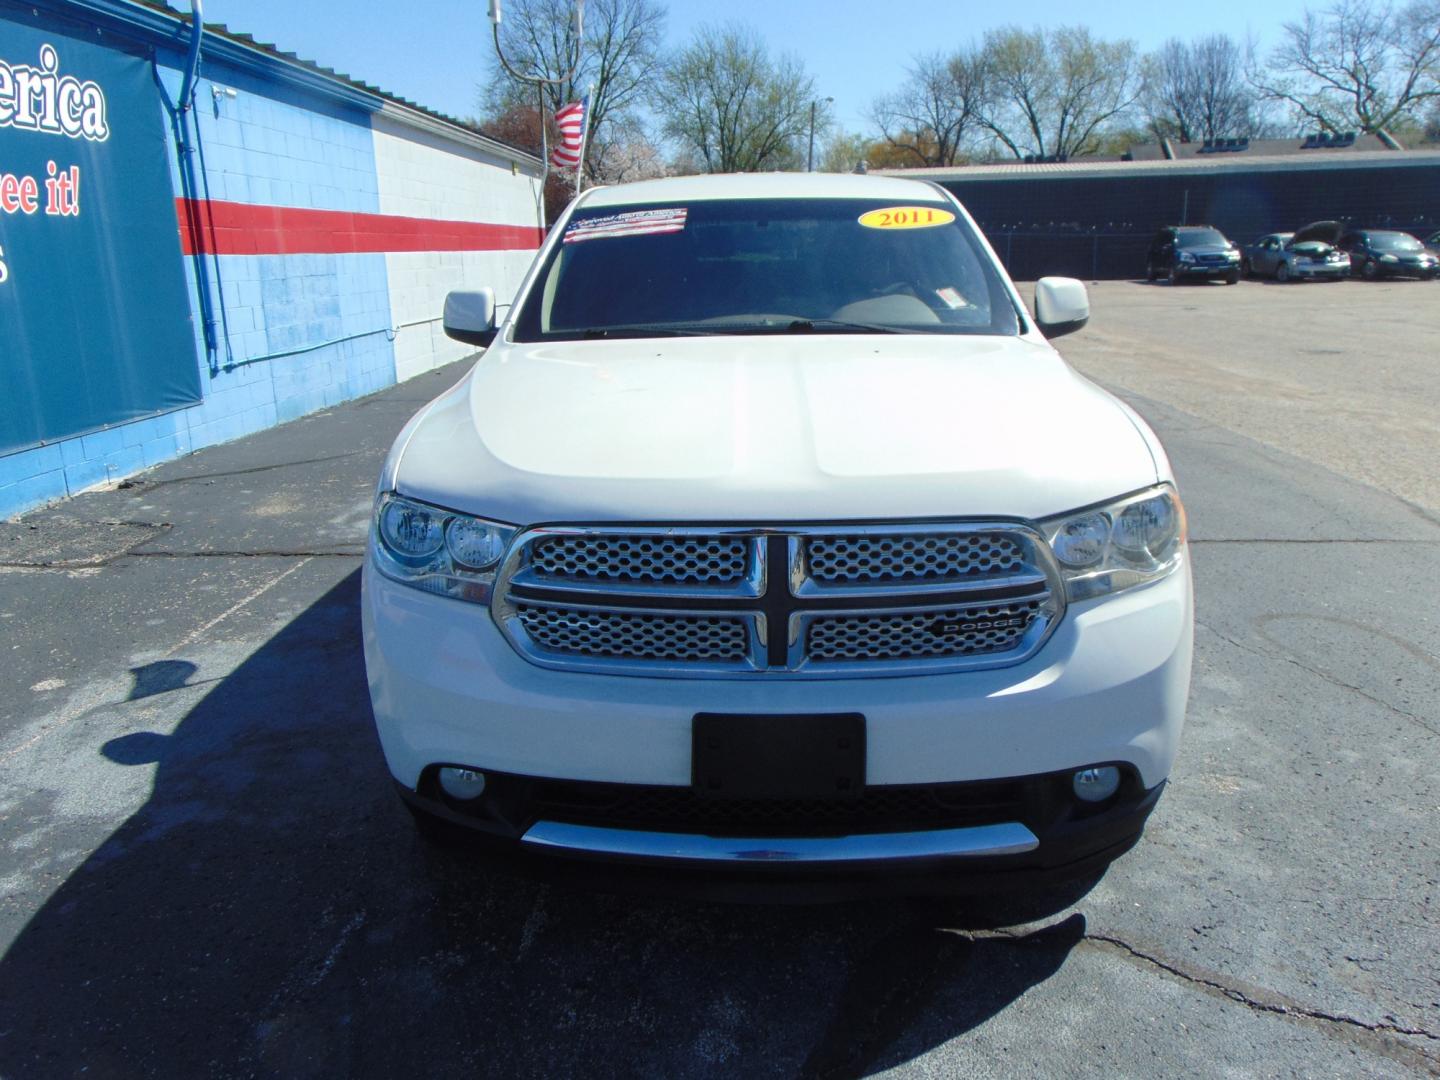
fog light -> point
(1098, 784)
(466, 783)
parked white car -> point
(770, 534)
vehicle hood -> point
(1205, 249)
(1311, 247)
(822, 427)
(1327, 232)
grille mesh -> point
(915, 557)
(635, 636)
(682, 560)
(960, 632)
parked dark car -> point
(1295, 257)
(1380, 253)
(1182, 252)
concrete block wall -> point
(310, 310)
(422, 176)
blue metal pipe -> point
(185, 106)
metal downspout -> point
(187, 170)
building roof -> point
(1254, 148)
(1087, 168)
(380, 99)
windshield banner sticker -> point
(634, 223)
(906, 217)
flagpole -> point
(584, 138)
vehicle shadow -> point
(270, 912)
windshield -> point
(1190, 238)
(766, 266)
(1394, 241)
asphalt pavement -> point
(204, 870)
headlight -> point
(1187, 257)
(1135, 540)
(1233, 255)
(437, 550)
(1389, 258)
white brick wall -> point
(423, 175)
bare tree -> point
(620, 58)
(1197, 90)
(930, 117)
(733, 107)
(1357, 65)
(1054, 93)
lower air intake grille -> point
(967, 631)
(635, 636)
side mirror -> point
(1061, 306)
(470, 316)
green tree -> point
(732, 107)
(1054, 92)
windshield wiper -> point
(809, 326)
(642, 330)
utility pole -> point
(540, 82)
(810, 157)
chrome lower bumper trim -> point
(1009, 838)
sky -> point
(435, 51)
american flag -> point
(571, 122)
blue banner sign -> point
(95, 324)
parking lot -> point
(204, 869)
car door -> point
(1265, 256)
(1153, 257)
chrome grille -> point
(676, 560)
(910, 557)
(634, 635)
(796, 601)
(969, 631)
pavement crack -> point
(1320, 540)
(263, 553)
(1419, 721)
(1251, 1000)
(152, 485)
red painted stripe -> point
(229, 228)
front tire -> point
(1174, 276)
(1247, 269)
(1370, 272)
(1232, 278)
(1282, 273)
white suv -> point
(770, 535)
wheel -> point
(1149, 272)
(1246, 268)
(1232, 278)
(1282, 272)
(1370, 272)
(1174, 276)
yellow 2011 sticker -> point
(906, 217)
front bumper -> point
(1108, 687)
(1320, 270)
(1208, 270)
(1054, 838)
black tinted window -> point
(747, 266)
(1199, 238)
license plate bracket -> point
(815, 756)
